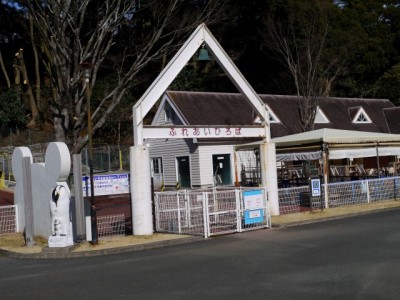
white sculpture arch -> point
(44, 178)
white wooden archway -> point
(139, 153)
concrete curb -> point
(102, 252)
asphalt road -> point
(352, 258)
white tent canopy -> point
(347, 144)
(335, 136)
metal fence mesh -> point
(179, 212)
(216, 211)
(347, 193)
(292, 200)
(383, 189)
(222, 211)
(208, 212)
(8, 222)
(111, 225)
(106, 159)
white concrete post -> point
(268, 175)
(18, 171)
(142, 218)
(29, 221)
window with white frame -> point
(169, 115)
(361, 117)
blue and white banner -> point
(106, 184)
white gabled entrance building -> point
(139, 153)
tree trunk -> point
(37, 69)
(61, 123)
(32, 103)
(3, 69)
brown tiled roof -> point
(353, 112)
(392, 115)
(201, 108)
(212, 108)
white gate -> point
(212, 212)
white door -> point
(157, 172)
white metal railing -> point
(218, 211)
(211, 212)
(297, 199)
(8, 219)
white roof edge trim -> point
(200, 36)
(168, 74)
(159, 110)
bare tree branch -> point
(73, 32)
(301, 50)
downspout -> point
(236, 168)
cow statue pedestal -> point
(60, 217)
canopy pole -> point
(377, 160)
(325, 160)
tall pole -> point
(86, 71)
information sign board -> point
(253, 202)
(110, 184)
(315, 187)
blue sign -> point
(253, 216)
(253, 202)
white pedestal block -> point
(60, 241)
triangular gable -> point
(320, 117)
(272, 117)
(200, 37)
(166, 102)
(361, 117)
